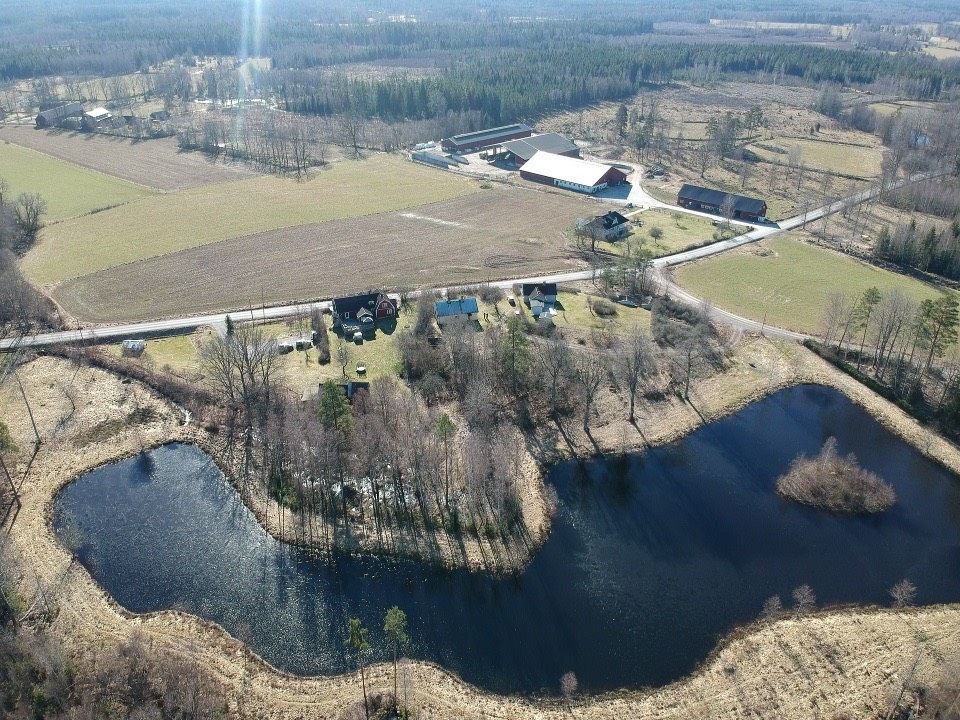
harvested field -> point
(68, 189)
(154, 163)
(199, 216)
(942, 53)
(495, 233)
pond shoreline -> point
(91, 617)
(630, 533)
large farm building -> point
(520, 151)
(571, 173)
(473, 141)
(694, 197)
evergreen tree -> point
(395, 626)
(334, 407)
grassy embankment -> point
(68, 189)
(786, 281)
(162, 224)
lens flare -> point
(251, 34)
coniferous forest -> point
(503, 63)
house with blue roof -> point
(464, 308)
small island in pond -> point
(834, 483)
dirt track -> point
(816, 667)
(155, 163)
(489, 234)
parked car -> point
(627, 302)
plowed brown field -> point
(497, 233)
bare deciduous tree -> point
(804, 599)
(772, 608)
(352, 130)
(634, 361)
(555, 368)
(592, 371)
(28, 212)
(903, 594)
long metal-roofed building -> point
(55, 115)
(520, 151)
(471, 141)
(571, 173)
(694, 197)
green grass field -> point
(162, 224)
(179, 353)
(69, 189)
(819, 155)
(680, 231)
(574, 313)
(786, 282)
(303, 374)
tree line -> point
(905, 349)
(927, 249)
(524, 82)
(112, 38)
(21, 218)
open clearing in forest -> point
(158, 164)
(68, 189)
(941, 52)
(502, 232)
(168, 223)
(862, 161)
(787, 282)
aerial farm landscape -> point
(486, 360)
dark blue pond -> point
(650, 560)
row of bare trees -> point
(906, 346)
(278, 142)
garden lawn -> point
(163, 224)
(303, 374)
(574, 313)
(786, 282)
(179, 353)
(69, 190)
(681, 231)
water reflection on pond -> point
(651, 559)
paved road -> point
(174, 326)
